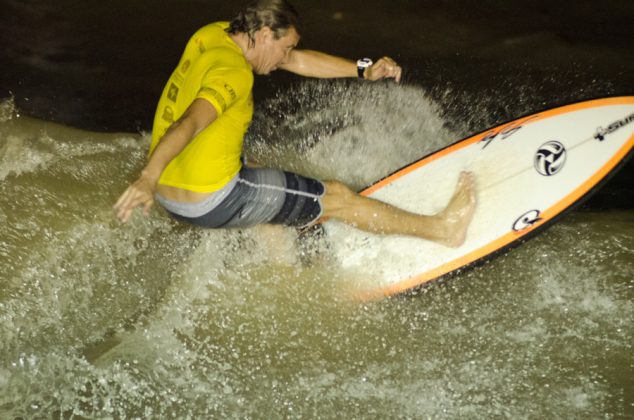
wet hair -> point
(278, 15)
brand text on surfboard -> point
(602, 132)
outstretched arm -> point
(141, 193)
(311, 63)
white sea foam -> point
(8, 110)
(348, 132)
(28, 145)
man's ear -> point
(265, 34)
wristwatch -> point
(363, 64)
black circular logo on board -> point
(550, 158)
(527, 220)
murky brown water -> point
(158, 320)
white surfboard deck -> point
(528, 172)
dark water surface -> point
(157, 320)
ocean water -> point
(154, 319)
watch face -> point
(364, 62)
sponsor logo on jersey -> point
(172, 92)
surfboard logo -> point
(550, 158)
(504, 132)
(602, 132)
(527, 220)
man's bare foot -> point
(459, 212)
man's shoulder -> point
(214, 28)
(213, 42)
(211, 35)
(222, 57)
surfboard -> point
(529, 172)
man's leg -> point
(448, 227)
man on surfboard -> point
(195, 171)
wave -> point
(158, 319)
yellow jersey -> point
(213, 68)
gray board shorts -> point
(255, 196)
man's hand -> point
(384, 68)
(196, 118)
(140, 193)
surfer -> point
(195, 170)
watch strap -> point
(362, 64)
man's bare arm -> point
(141, 193)
(311, 63)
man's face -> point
(271, 52)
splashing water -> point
(8, 110)
(336, 130)
(155, 319)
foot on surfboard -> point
(459, 212)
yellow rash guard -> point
(213, 68)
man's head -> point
(272, 28)
(277, 15)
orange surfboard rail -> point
(512, 238)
